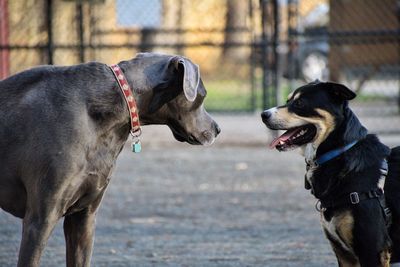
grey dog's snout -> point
(209, 134)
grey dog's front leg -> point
(35, 233)
(79, 234)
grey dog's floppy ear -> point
(191, 76)
(340, 91)
(181, 74)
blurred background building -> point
(251, 52)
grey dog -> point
(62, 128)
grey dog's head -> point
(169, 91)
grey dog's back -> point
(49, 115)
(54, 94)
(53, 81)
(37, 102)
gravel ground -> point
(233, 204)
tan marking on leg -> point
(340, 229)
(344, 263)
(385, 258)
(344, 225)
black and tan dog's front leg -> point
(366, 254)
(340, 238)
(371, 256)
(395, 236)
(358, 236)
(338, 227)
(372, 243)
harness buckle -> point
(354, 198)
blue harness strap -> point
(334, 153)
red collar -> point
(130, 100)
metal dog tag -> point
(136, 147)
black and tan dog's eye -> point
(299, 103)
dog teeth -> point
(302, 132)
(281, 142)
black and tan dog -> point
(346, 171)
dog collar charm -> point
(136, 145)
(133, 111)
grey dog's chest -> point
(96, 174)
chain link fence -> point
(352, 42)
(251, 52)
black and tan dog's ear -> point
(340, 91)
(191, 76)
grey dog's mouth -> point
(189, 139)
(294, 137)
(181, 135)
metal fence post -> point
(80, 29)
(276, 66)
(253, 84)
(264, 54)
(398, 45)
(49, 24)
(292, 16)
(4, 34)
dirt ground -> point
(236, 203)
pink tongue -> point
(284, 137)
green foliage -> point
(236, 95)
(228, 95)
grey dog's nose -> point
(217, 129)
(265, 115)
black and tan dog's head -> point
(171, 92)
(310, 114)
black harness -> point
(354, 198)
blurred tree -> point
(235, 28)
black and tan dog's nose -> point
(265, 115)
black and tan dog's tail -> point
(392, 193)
